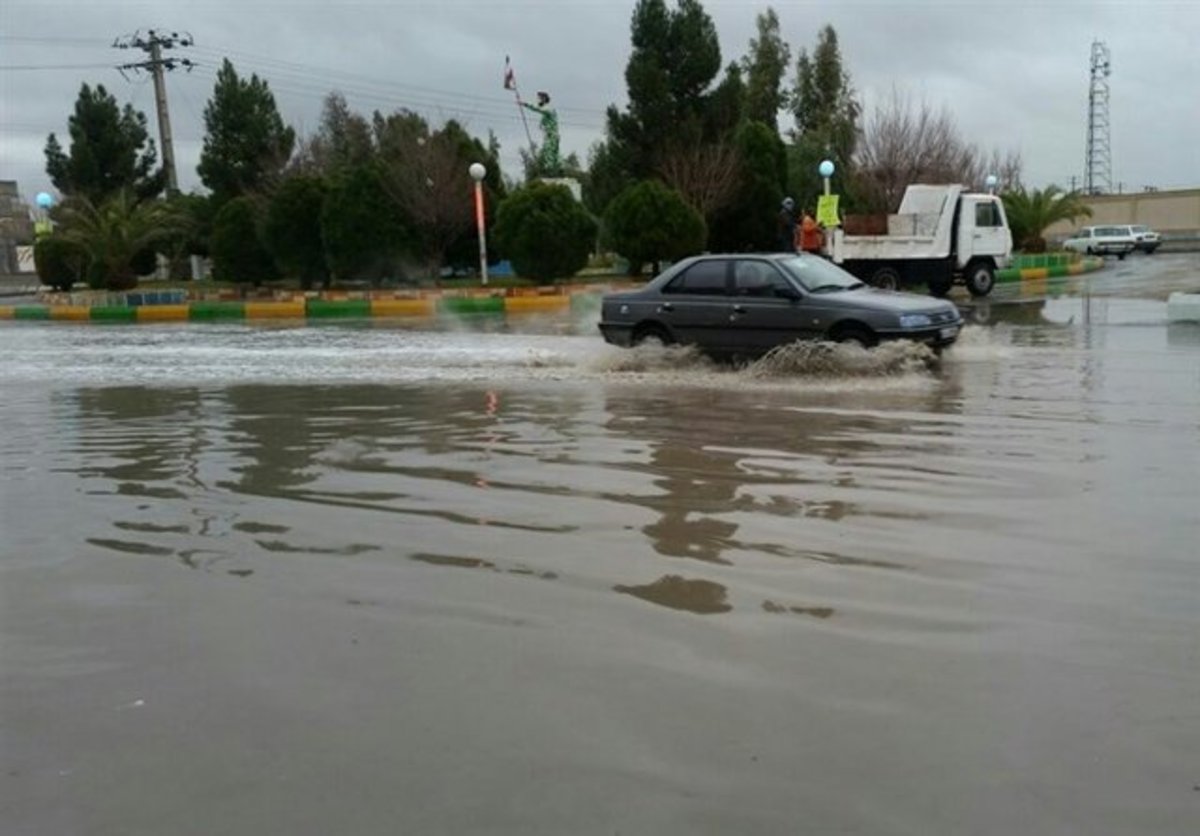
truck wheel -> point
(979, 278)
(885, 278)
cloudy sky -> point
(1014, 75)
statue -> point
(548, 161)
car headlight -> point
(915, 320)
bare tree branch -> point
(706, 175)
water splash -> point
(842, 360)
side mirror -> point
(788, 292)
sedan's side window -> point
(704, 278)
(758, 278)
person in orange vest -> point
(811, 235)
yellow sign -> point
(42, 227)
(827, 211)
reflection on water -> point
(698, 596)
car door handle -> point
(739, 308)
(667, 306)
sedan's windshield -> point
(816, 275)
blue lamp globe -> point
(44, 200)
(826, 168)
(991, 181)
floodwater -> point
(369, 579)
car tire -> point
(1121, 256)
(651, 333)
(853, 333)
(980, 278)
(885, 278)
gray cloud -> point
(1014, 76)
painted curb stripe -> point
(75, 313)
(469, 305)
(113, 313)
(207, 311)
(275, 310)
(163, 313)
(31, 312)
(325, 309)
(403, 307)
(7, 312)
(536, 304)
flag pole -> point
(510, 82)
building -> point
(16, 226)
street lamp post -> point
(478, 172)
(825, 169)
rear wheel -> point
(886, 278)
(852, 333)
(979, 277)
(652, 334)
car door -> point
(764, 311)
(695, 304)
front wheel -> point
(857, 334)
(979, 278)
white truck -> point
(941, 234)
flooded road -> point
(368, 579)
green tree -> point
(1031, 212)
(748, 222)
(110, 151)
(292, 229)
(238, 253)
(117, 234)
(545, 232)
(364, 235)
(765, 66)
(675, 57)
(246, 143)
(343, 139)
(59, 262)
(826, 116)
(649, 223)
(426, 174)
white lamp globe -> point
(478, 172)
(826, 168)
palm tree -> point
(1030, 213)
(116, 232)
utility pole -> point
(153, 45)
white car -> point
(1146, 240)
(1102, 240)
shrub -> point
(545, 232)
(292, 229)
(238, 253)
(361, 228)
(649, 222)
(60, 263)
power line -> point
(20, 67)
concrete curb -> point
(1053, 268)
(425, 308)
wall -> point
(1171, 213)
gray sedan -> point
(745, 305)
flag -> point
(510, 79)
